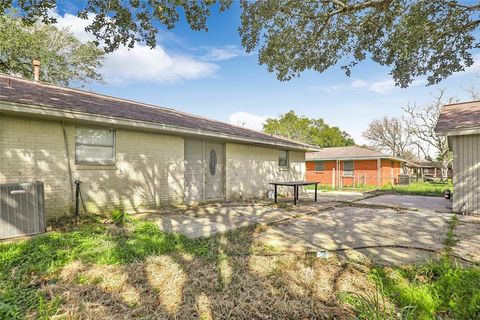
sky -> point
(209, 74)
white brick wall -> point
(250, 169)
(148, 170)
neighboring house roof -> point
(425, 164)
(347, 153)
(50, 99)
(459, 118)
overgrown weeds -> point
(440, 288)
(26, 266)
(420, 188)
(375, 305)
(100, 270)
(436, 289)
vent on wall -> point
(21, 209)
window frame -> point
(318, 163)
(345, 174)
(287, 154)
(95, 162)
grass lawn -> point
(96, 270)
(420, 188)
(414, 188)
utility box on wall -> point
(22, 209)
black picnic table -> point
(295, 185)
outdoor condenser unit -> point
(21, 209)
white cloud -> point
(357, 83)
(247, 120)
(140, 63)
(333, 89)
(75, 25)
(475, 67)
(144, 64)
(223, 53)
(381, 86)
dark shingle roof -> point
(459, 116)
(353, 152)
(22, 91)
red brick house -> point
(352, 167)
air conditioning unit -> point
(22, 209)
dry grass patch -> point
(101, 272)
(172, 287)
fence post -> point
(379, 168)
(333, 178)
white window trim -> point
(106, 163)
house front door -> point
(214, 170)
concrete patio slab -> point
(335, 222)
(435, 204)
(207, 220)
(353, 227)
(342, 196)
(467, 235)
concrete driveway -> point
(374, 231)
(209, 219)
(350, 222)
(389, 229)
(435, 204)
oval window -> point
(213, 162)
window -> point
(283, 158)
(95, 146)
(319, 166)
(348, 168)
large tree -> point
(412, 37)
(64, 59)
(312, 131)
(422, 120)
(390, 135)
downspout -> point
(68, 162)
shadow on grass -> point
(95, 270)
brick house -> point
(129, 154)
(352, 166)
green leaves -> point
(414, 38)
(312, 131)
(431, 39)
(123, 23)
(64, 59)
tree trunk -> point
(444, 169)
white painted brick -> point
(250, 169)
(148, 170)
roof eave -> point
(34, 111)
(357, 158)
(458, 132)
